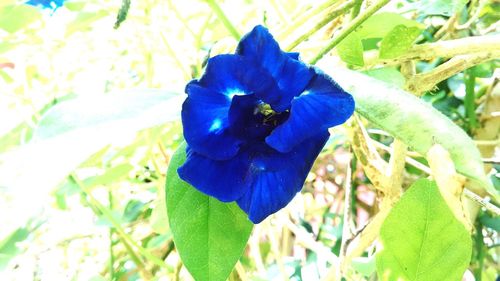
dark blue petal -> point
(294, 55)
(205, 123)
(290, 74)
(277, 177)
(322, 105)
(232, 75)
(260, 46)
(224, 180)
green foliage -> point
(398, 34)
(421, 239)
(398, 41)
(16, 17)
(351, 50)
(413, 121)
(209, 235)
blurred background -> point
(90, 94)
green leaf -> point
(398, 41)
(413, 121)
(421, 239)
(8, 248)
(351, 50)
(15, 17)
(209, 235)
(378, 25)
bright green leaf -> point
(378, 25)
(15, 17)
(398, 41)
(413, 121)
(421, 239)
(351, 50)
(209, 235)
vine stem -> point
(440, 49)
(421, 83)
(346, 229)
(304, 17)
(350, 28)
(328, 18)
(224, 19)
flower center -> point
(270, 117)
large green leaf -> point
(412, 120)
(422, 240)
(209, 235)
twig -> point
(328, 18)
(241, 271)
(482, 201)
(421, 83)
(306, 240)
(440, 49)
(349, 28)
(346, 230)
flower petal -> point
(322, 105)
(232, 75)
(225, 180)
(277, 177)
(290, 74)
(205, 123)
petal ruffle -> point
(224, 180)
(323, 104)
(277, 177)
(205, 123)
(232, 75)
(290, 74)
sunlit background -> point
(82, 172)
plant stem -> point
(328, 18)
(305, 17)
(470, 100)
(480, 248)
(111, 252)
(223, 18)
(423, 82)
(440, 49)
(350, 28)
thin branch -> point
(440, 49)
(346, 229)
(327, 19)
(421, 83)
(349, 28)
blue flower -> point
(48, 4)
(255, 122)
